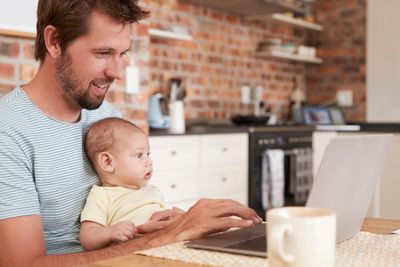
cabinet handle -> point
(173, 152)
(225, 149)
(224, 179)
(173, 186)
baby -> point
(119, 152)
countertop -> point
(384, 127)
(231, 128)
(388, 127)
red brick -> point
(27, 72)
(141, 29)
(29, 51)
(9, 49)
(5, 88)
(7, 71)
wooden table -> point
(373, 225)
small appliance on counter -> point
(319, 115)
(176, 106)
(158, 117)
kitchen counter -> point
(361, 127)
(231, 128)
(202, 129)
(378, 127)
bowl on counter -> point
(250, 120)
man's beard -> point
(68, 79)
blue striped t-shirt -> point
(43, 168)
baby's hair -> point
(101, 136)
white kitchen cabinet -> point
(175, 152)
(190, 167)
(385, 201)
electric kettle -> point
(157, 114)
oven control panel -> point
(281, 140)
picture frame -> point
(316, 115)
(337, 116)
(322, 115)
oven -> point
(280, 167)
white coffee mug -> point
(301, 236)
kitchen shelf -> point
(248, 8)
(297, 22)
(286, 55)
(170, 35)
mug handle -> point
(277, 238)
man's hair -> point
(70, 18)
(103, 135)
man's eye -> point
(103, 53)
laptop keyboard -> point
(255, 244)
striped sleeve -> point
(18, 192)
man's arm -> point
(22, 239)
(22, 244)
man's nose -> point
(115, 69)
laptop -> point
(345, 183)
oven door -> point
(279, 175)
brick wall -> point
(221, 59)
(342, 45)
(17, 64)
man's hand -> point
(160, 220)
(122, 231)
(210, 216)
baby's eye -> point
(139, 155)
(148, 154)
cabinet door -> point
(220, 149)
(177, 189)
(176, 185)
(174, 153)
(226, 179)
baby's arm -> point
(96, 236)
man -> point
(44, 176)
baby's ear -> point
(105, 161)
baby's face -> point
(133, 167)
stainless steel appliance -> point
(287, 139)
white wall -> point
(383, 61)
(18, 15)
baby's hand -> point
(122, 231)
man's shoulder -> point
(11, 105)
(8, 100)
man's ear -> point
(52, 42)
(106, 162)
